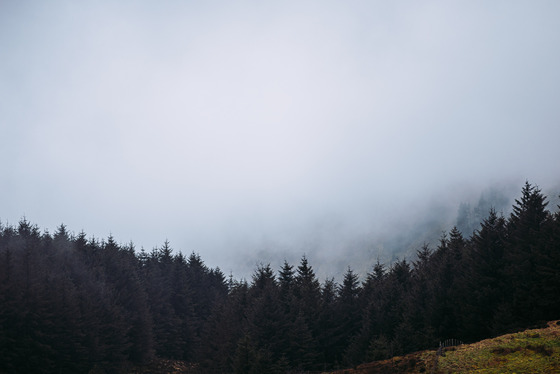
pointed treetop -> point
(305, 270)
(530, 210)
(378, 271)
(286, 274)
(350, 285)
(263, 277)
(166, 252)
(61, 233)
(423, 255)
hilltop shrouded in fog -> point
(242, 130)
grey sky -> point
(231, 126)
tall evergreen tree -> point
(286, 283)
(331, 331)
(484, 278)
(524, 246)
(348, 307)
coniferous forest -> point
(69, 304)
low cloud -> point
(249, 131)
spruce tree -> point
(484, 278)
(524, 245)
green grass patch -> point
(531, 351)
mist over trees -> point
(388, 235)
(70, 304)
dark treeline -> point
(71, 304)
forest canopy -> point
(72, 304)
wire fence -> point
(441, 350)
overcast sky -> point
(225, 126)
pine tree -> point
(444, 312)
(415, 331)
(484, 278)
(286, 283)
(348, 307)
(331, 331)
(264, 280)
(524, 246)
(307, 290)
(305, 306)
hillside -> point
(530, 351)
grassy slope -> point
(530, 351)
